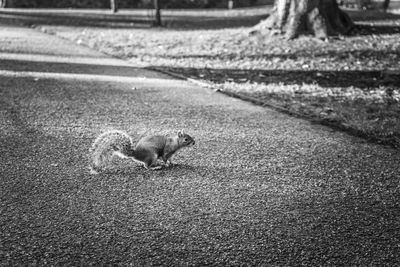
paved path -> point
(259, 187)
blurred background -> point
(175, 3)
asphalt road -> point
(259, 187)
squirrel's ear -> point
(181, 133)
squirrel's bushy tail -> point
(106, 146)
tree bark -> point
(321, 18)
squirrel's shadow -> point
(129, 169)
(177, 170)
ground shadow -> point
(375, 29)
(213, 23)
(359, 79)
(70, 20)
(371, 15)
(134, 21)
(74, 68)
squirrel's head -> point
(185, 139)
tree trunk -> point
(294, 17)
(113, 6)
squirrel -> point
(147, 150)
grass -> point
(351, 83)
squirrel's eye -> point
(186, 139)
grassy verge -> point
(350, 83)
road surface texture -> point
(258, 188)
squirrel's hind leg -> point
(151, 163)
